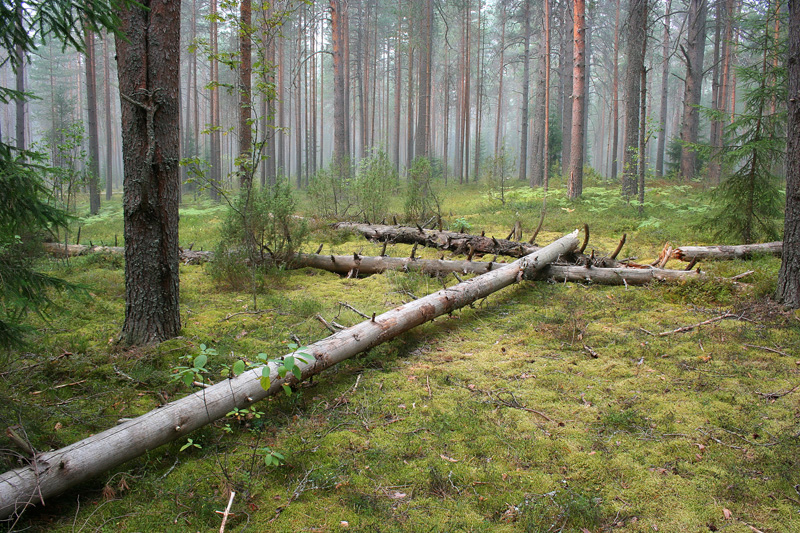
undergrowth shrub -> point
(260, 231)
(422, 200)
(560, 510)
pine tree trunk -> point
(615, 100)
(525, 101)
(215, 178)
(108, 127)
(502, 71)
(693, 56)
(245, 95)
(575, 182)
(149, 76)
(341, 156)
(566, 67)
(662, 117)
(94, 144)
(637, 22)
(19, 104)
(425, 40)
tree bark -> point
(19, 103)
(788, 292)
(425, 40)
(693, 56)
(615, 100)
(637, 24)
(215, 180)
(341, 157)
(149, 66)
(662, 118)
(91, 104)
(246, 169)
(575, 182)
(54, 472)
(109, 135)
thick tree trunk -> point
(693, 55)
(94, 144)
(566, 66)
(425, 40)
(788, 291)
(637, 26)
(149, 66)
(575, 182)
(54, 472)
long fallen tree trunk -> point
(72, 250)
(52, 473)
(458, 243)
(718, 253)
(355, 265)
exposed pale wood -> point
(742, 251)
(52, 473)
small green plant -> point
(271, 457)
(284, 365)
(461, 224)
(236, 369)
(422, 200)
(247, 413)
(190, 443)
(195, 368)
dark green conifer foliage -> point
(747, 205)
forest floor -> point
(544, 407)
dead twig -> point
(353, 309)
(325, 323)
(591, 351)
(261, 312)
(514, 404)
(703, 323)
(227, 513)
(776, 395)
(767, 348)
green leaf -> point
(238, 367)
(282, 371)
(288, 362)
(187, 378)
(265, 382)
(287, 389)
(202, 347)
(297, 372)
(265, 371)
(304, 357)
(200, 361)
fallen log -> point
(355, 265)
(189, 257)
(720, 253)
(51, 473)
(458, 243)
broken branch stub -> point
(52, 473)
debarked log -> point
(355, 265)
(51, 473)
(720, 253)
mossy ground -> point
(497, 418)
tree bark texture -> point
(341, 156)
(148, 66)
(109, 130)
(94, 143)
(54, 472)
(662, 118)
(575, 182)
(246, 169)
(693, 55)
(788, 291)
(637, 33)
(524, 102)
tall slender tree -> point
(245, 94)
(524, 102)
(575, 182)
(91, 105)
